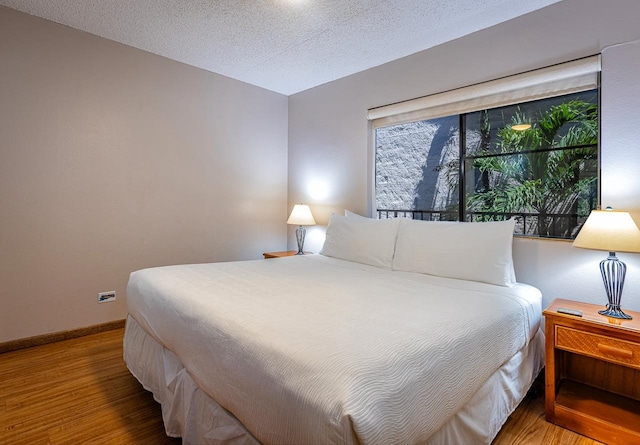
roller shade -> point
(556, 80)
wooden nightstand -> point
(282, 254)
(593, 373)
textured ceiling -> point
(283, 45)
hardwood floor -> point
(79, 391)
(76, 392)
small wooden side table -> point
(282, 254)
(593, 372)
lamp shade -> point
(610, 231)
(301, 216)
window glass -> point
(535, 161)
(417, 169)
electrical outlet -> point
(105, 297)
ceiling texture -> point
(285, 46)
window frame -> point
(572, 77)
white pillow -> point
(468, 251)
(362, 240)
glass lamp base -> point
(614, 311)
(300, 233)
(613, 271)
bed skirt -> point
(191, 414)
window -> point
(417, 169)
(535, 160)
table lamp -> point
(612, 232)
(301, 215)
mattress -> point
(313, 349)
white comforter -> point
(315, 350)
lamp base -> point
(300, 233)
(614, 311)
(613, 271)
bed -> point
(343, 347)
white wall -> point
(328, 131)
(113, 159)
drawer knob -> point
(612, 350)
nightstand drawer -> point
(618, 351)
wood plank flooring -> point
(79, 391)
(76, 392)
